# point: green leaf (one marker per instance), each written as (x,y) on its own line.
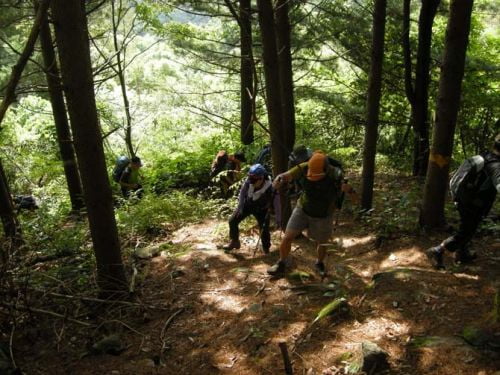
(329,309)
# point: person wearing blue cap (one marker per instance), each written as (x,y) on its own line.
(255,198)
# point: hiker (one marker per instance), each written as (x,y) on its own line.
(264,158)
(24,202)
(473,198)
(255,198)
(129,179)
(227,168)
(300,154)
(323,188)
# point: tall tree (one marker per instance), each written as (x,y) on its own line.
(117,16)
(7,214)
(373,103)
(448,103)
(418,96)
(17,70)
(283,31)
(71,32)
(246,72)
(63,131)
(279,150)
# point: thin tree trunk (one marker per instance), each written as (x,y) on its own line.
(7,213)
(121,78)
(286,73)
(17,70)
(246,72)
(60,118)
(279,151)
(448,103)
(420,109)
(373,103)
(72,40)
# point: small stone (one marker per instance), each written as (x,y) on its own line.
(369,358)
(395,304)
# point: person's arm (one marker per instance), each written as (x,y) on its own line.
(242,195)
(350,192)
(290,175)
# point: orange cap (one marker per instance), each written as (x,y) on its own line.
(316,166)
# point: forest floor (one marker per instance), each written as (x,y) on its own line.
(221,313)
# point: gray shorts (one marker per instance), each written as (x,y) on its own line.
(318,228)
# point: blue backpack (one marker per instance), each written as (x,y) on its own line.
(121,163)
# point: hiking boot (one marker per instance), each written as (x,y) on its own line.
(435,255)
(277,269)
(464,257)
(234,244)
(320,268)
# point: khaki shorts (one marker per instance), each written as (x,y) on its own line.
(318,228)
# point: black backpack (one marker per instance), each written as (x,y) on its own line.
(467,179)
(121,163)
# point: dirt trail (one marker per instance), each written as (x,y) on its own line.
(226,316)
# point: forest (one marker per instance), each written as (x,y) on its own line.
(136,136)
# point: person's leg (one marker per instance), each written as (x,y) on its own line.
(125,192)
(469,221)
(234,230)
(265,236)
(296,224)
(321,230)
(470,218)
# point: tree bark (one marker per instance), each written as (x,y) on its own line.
(279,152)
(448,103)
(63,131)
(283,31)
(420,107)
(17,70)
(373,103)
(246,73)
(72,40)
(7,213)
(121,77)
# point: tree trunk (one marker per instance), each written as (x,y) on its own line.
(17,70)
(121,78)
(246,72)
(373,103)
(279,151)
(72,40)
(60,118)
(450,84)
(420,109)
(286,72)
(7,213)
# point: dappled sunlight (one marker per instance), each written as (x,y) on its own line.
(403,257)
(379,328)
(229,303)
(348,242)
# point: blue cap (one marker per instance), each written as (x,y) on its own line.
(257,170)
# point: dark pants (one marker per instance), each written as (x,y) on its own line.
(470,218)
(128,192)
(262,218)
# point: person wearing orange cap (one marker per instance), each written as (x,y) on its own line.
(322,188)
